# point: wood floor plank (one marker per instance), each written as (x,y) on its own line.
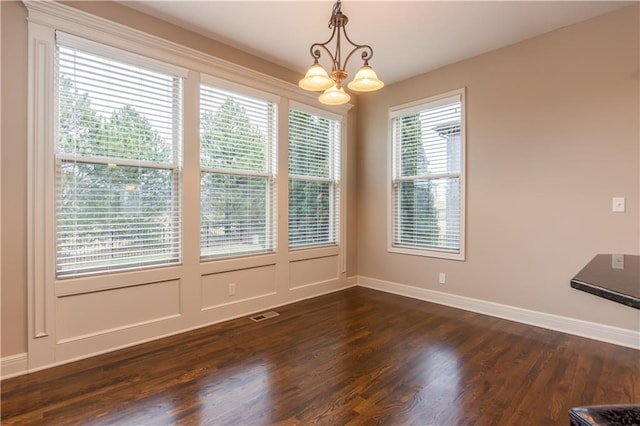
(355,357)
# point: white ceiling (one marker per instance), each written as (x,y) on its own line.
(407,37)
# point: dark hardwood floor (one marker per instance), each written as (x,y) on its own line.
(353,357)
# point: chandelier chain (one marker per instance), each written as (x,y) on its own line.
(337,8)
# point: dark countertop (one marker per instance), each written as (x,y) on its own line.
(612,276)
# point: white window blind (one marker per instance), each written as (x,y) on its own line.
(427,176)
(314,179)
(238,173)
(118,161)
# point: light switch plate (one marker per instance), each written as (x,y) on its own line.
(618,204)
(617,261)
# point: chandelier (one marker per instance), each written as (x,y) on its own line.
(317,79)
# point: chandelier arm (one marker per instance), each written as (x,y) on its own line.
(315,52)
(367,54)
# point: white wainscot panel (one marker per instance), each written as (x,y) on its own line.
(312,271)
(90,314)
(247,284)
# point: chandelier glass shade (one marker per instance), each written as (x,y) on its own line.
(334,96)
(365,80)
(317,78)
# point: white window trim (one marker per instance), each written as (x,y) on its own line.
(409,108)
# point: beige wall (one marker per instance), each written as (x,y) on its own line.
(14,147)
(552,136)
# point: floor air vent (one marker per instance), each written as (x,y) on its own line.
(263,316)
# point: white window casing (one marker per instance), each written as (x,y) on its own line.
(427,177)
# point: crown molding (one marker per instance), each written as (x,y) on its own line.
(76,22)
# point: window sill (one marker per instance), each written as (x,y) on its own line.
(428,253)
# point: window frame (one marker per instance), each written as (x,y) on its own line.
(413,108)
(335,180)
(271,173)
(178,74)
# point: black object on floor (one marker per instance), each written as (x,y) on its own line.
(605,415)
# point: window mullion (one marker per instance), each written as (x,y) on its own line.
(310,178)
(432,176)
(113,161)
(235,172)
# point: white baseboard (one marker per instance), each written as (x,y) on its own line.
(13,365)
(591,330)
(352,281)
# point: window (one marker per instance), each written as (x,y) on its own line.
(427,143)
(152,183)
(314,179)
(238,173)
(117,160)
